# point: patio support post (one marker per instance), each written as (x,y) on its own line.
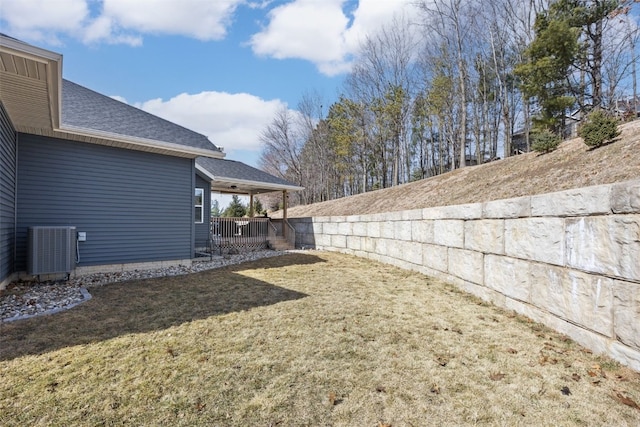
(284,213)
(251,213)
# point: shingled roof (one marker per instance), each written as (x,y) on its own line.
(86,109)
(230,176)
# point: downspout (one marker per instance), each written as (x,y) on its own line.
(15,208)
(193,209)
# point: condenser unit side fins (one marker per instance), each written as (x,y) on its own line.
(52,250)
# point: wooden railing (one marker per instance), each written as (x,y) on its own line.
(230,235)
(276,223)
(290,234)
(273,231)
(282,228)
(239,233)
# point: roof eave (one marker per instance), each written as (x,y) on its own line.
(143,143)
(52,62)
(257,185)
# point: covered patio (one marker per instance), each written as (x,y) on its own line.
(249,233)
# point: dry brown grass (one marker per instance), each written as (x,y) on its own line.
(304,339)
(573,165)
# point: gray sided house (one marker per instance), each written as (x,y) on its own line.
(73,157)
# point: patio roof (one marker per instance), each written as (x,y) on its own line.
(232,177)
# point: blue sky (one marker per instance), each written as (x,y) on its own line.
(219,67)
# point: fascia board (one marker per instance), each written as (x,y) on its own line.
(249,183)
(141,142)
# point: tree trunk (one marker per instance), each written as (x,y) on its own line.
(597,64)
(462,73)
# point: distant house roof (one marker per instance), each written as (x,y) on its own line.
(84,108)
(229,176)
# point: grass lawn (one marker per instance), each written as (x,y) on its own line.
(314,338)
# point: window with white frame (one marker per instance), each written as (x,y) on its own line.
(199,205)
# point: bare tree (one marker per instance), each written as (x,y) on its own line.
(511,27)
(620,41)
(316,162)
(508,29)
(451,21)
(281,147)
(382,80)
(415,105)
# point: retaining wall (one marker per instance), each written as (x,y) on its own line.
(569,260)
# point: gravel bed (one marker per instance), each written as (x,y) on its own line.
(22,300)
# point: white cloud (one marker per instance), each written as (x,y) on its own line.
(321,31)
(258,4)
(119,98)
(200,19)
(372,15)
(102,29)
(59,15)
(324,32)
(232,121)
(306,29)
(42,19)
(117,21)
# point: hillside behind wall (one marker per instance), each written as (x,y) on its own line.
(569,260)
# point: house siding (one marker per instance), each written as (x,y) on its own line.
(202,230)
(8,150)
(134,206)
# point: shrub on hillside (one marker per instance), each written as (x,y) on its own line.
(598,128)
(545,141)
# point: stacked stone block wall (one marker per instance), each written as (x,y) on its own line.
(570,260)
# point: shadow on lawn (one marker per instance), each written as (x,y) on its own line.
(141,306)
(298,258)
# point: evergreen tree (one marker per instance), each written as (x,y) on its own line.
(545,141)
(565,59)
(588,18)
(236,208)
(598,129)
(215,208)
(544,76)
(257,207)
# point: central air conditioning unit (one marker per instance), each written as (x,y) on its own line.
(52,250)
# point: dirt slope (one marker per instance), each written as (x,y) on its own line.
(572,165)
